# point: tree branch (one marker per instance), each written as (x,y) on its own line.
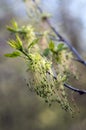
(81,92)
(61,38)
(75,89)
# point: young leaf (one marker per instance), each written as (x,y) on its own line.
(51,45)
(33,43)
(10,29)
(13,55)
(61,47)
(46,52)
(17,44)
(12,43)
(14,26)
(18,40)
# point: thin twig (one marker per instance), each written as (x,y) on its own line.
(75,89)
(61,38)
(69,86)
(80,59)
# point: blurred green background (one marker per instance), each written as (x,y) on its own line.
(21,109)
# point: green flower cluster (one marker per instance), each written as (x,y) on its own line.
(44,83)
(62,63)
(41,76)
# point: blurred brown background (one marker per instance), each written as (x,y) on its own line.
(21,109)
